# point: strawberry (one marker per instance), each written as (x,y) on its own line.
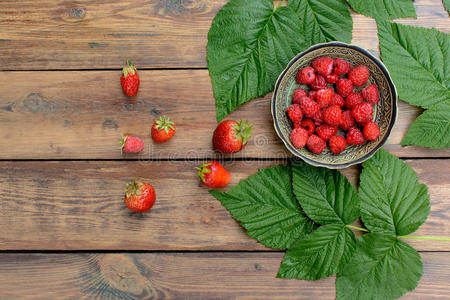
(325,131)
(139,196)
(337,144)
(299,136)
(131,144)
(337,99)
(332,78)
(347,120)
(362,113)
(309,107)
(308,124)
(306,76)
(312,94)
(163,130)
(129,80)
(295,113)
(333,115)
(371,131)
(344,87)
(212,174)
(319,83)
(341,66)
(355,136)
(323,97)
(353,99)
(231,136)
(371,94)
(298,95)
(359,75)
(323,65)
(315,144)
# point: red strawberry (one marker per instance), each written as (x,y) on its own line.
(318,118)
(306,76)
(332,78)
(359,75)
(371,94)
(308,124)
(129,80)
(319,83)
(298,95)
(347,120)
(355,137)
(131,144)
(295,113)
(315,144)
(337,99)
(323,65)
(337,144)
(231,136)
(299,136)
(212,174)
(341,66)
(344,87)
(371,131)
(139,196)
(312,94)
(333,115)
(353,99)
(323,97)
(309,107)
(325,131)
(163,130)
(362,113)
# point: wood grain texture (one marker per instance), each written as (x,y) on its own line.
(158,33)
(82,114)
(79,206)
(180,276)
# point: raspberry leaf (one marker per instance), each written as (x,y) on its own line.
(382,267)
(446,5)
(265,205)
(384,9)
(392,200)
(320,254)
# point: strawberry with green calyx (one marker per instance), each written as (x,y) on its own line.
(231,136)
(139,196)
(131,144)
(129,79)
(212,174)
(163,130)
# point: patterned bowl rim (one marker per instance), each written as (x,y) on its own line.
(276,90)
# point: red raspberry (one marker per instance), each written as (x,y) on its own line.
(337,99)
(344,86)
(295,113)
(323,65)
(312,94)
(315,144)
(337,144)
(299,137)
(325,131)
(371,94)
(306,76)
(331,78)
(359,75)
(333,115)
(355,137)
(371,131)
(308,124)
(347,120)
(353,99)
(318,118)
(323,97)
(309,107)
(362,113)
(341,66)
(298,94)
(319,83)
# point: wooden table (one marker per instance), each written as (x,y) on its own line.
(65,232)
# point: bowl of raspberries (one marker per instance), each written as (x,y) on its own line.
(334,105)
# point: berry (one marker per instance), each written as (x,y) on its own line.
(315,144)
(371,94)
(318,117)
(355,137)
(312,94)
(231,136)
(333,115)
(337,99)
(353,99)
(323,65)
(131,144)
(163,130)
(325,131)
(212,174)
(359,75)
(298,95)
(139,196)
(306,76)
(319,83)
(309,107)
(299,136)
(308,124)
(347,120)
(371,131)
(331,78)
(129,80)
(323,97)
(337,144)
(344,87)
(295,113)
(341,66)
(362,113)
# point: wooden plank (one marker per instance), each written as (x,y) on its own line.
(82,114)
(180,276)
(102,34)
(79,206)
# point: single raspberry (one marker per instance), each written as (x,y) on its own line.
(337,99)
(355,136)
(333,115)
(325,131)
(347,120)
(344,87)
(362,113)
(309,107)
(359,75)
(312,94)
(323,65)
(337,144)
(332,78)
(353,99)
(308,124)
(299,137)
(298,94)
(323,97)
(315,144)
(319,83)
(371,131)
(341,66)
(318,117)
(371,94)
(295,113)
(306,76)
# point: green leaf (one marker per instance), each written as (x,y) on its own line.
(249,44)
(265,205)
(326,196)
(320,254)
(324,20)
(382,267)
(392,201)
(384,9)
(446,5)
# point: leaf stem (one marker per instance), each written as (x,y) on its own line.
(432,238)
(281,3)
(357,228)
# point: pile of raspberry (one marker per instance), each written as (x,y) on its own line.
(319,111)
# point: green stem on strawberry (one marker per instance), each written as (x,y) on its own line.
(414,237)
